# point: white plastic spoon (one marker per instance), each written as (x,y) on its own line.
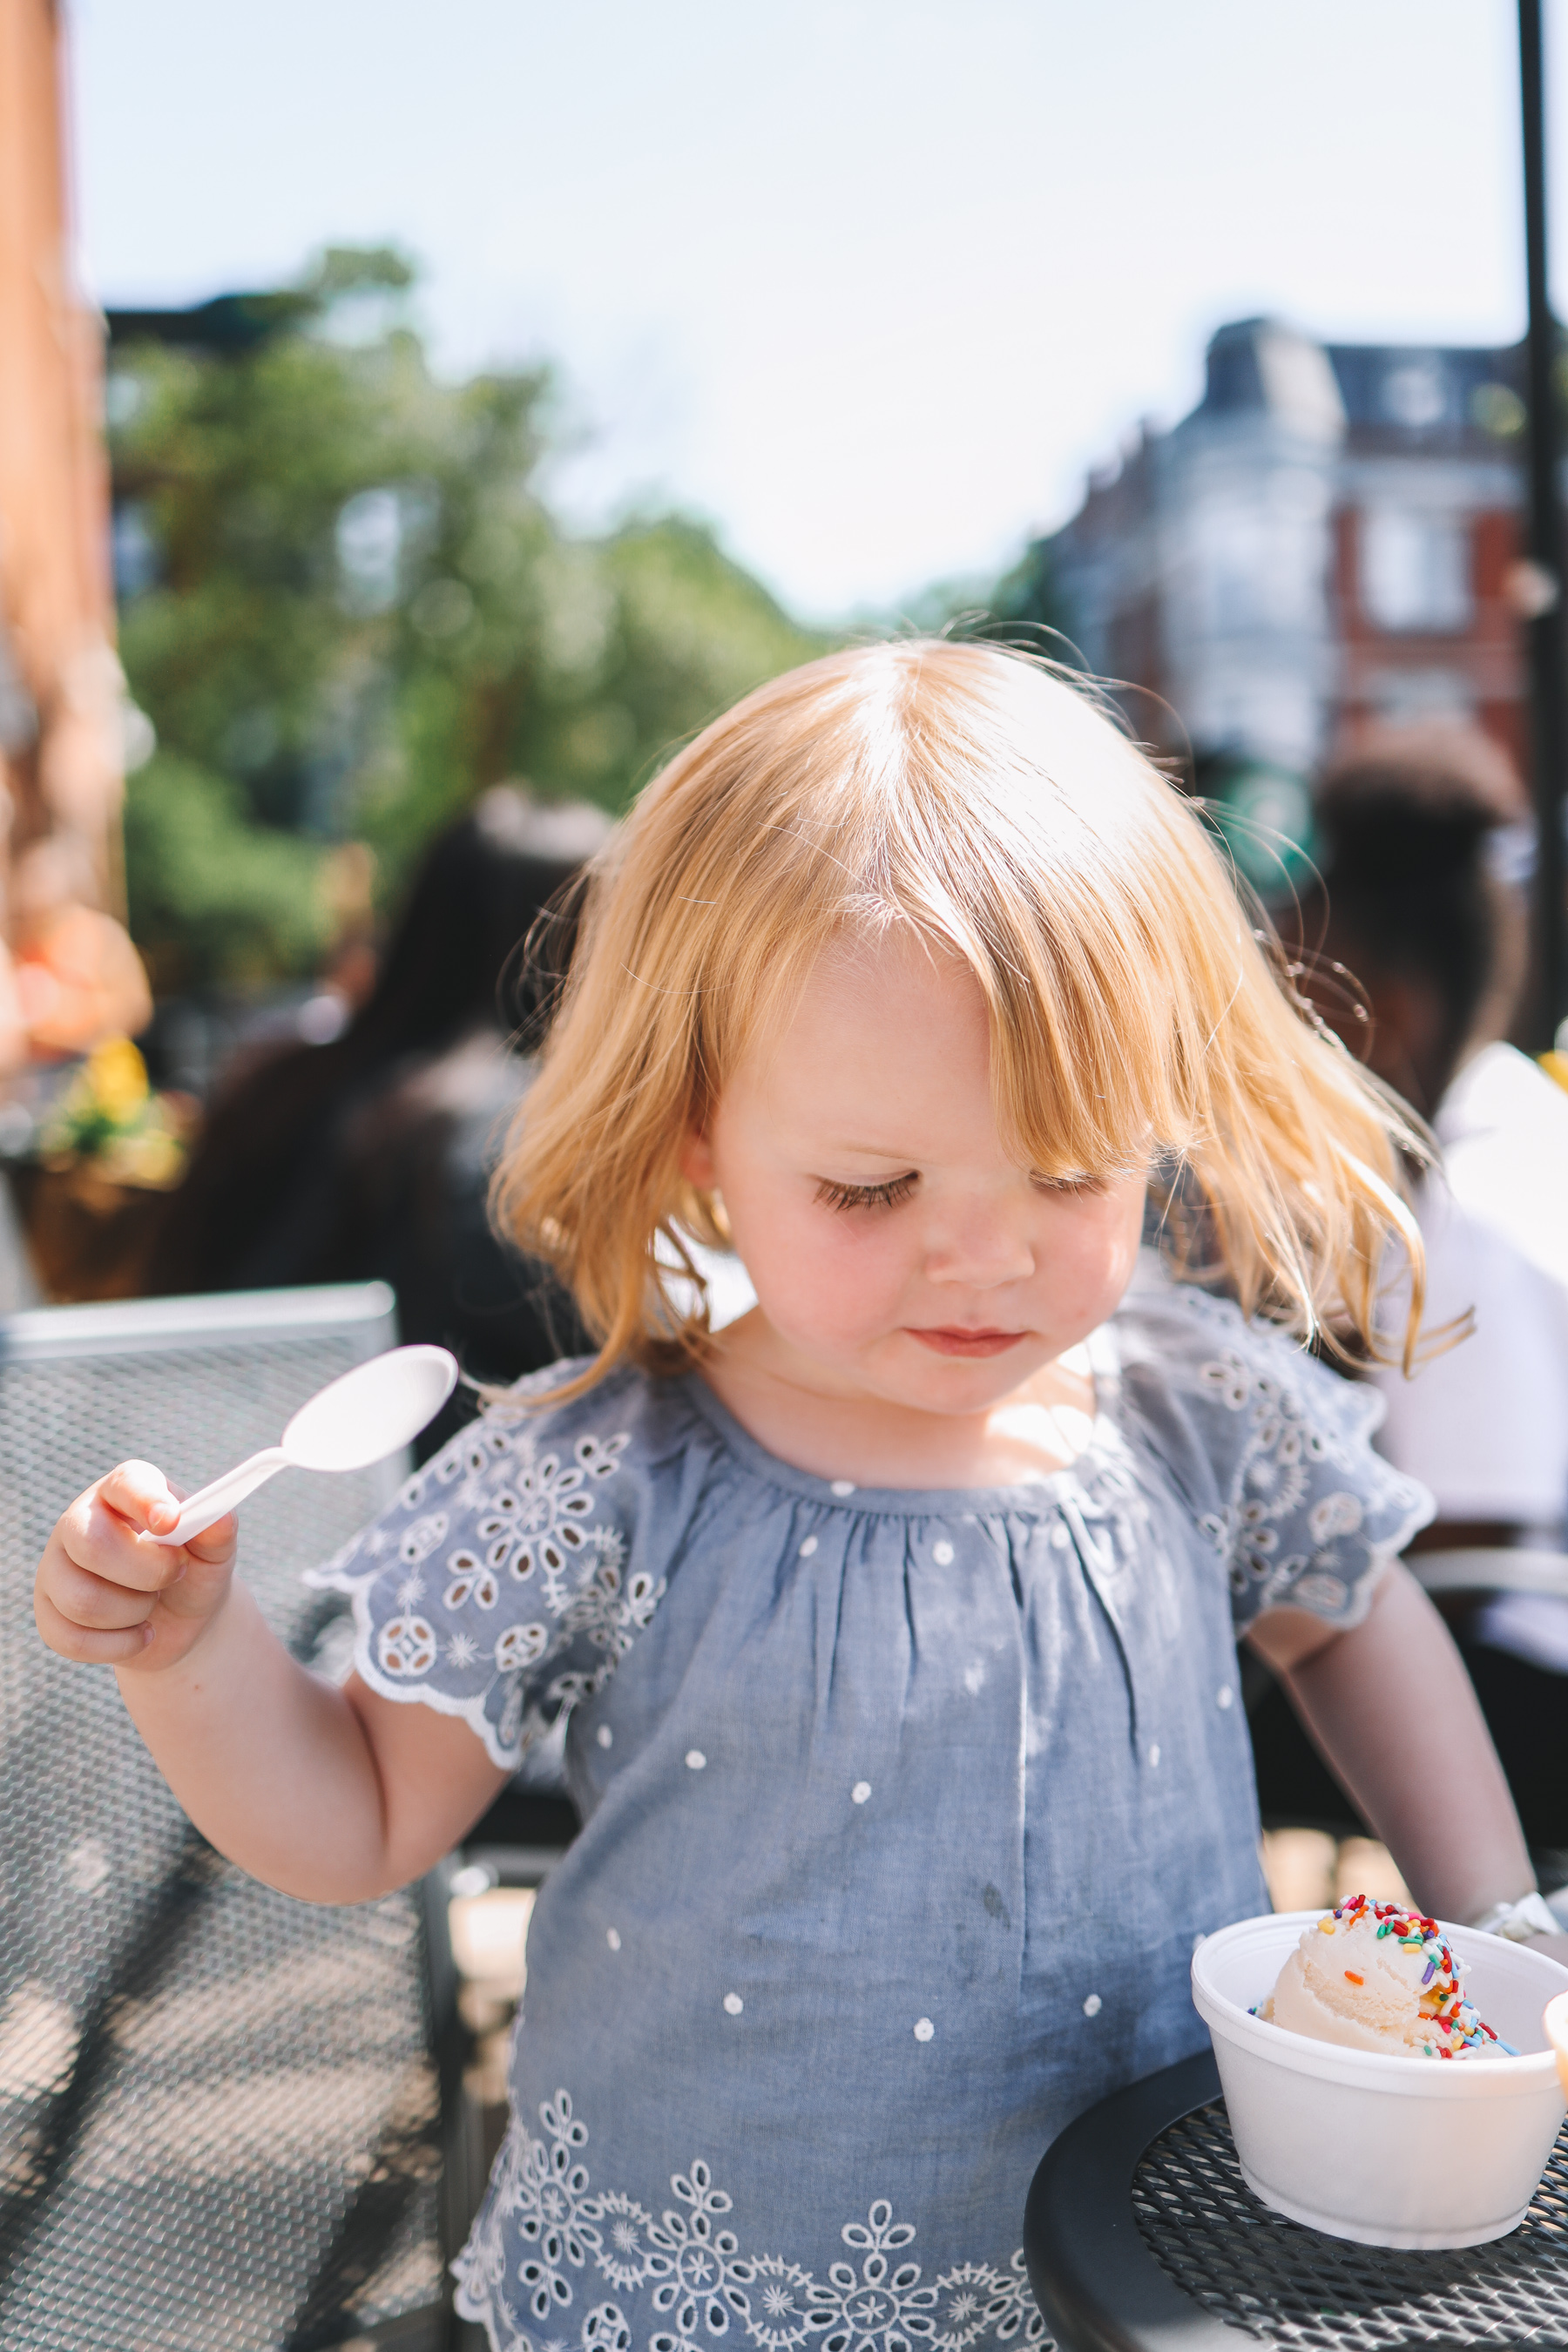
(357,1418)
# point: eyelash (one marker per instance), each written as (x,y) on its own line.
(899,1188)
(866,1196)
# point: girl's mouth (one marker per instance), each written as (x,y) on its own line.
(966,1343)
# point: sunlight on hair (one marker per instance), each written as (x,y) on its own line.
(1139,1016)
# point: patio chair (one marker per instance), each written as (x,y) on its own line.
(221,2110)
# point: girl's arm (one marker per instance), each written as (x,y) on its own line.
(332,1795)
(1393,1710)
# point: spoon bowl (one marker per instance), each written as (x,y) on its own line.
(366,1415)
(357,1418)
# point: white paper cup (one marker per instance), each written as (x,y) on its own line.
(1389,2150)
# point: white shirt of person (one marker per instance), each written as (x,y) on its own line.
(1485,1424)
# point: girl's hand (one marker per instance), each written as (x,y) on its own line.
(106,1596)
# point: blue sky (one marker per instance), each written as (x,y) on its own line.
(867,282)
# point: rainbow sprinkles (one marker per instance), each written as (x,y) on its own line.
(1394,1984)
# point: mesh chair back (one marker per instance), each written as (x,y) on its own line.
(218,2108)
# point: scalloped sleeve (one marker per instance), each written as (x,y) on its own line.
(1273,1453)
(501,1585)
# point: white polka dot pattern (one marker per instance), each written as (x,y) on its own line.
(942,1553)
(733,2003)
(924,2029)
(558,1542)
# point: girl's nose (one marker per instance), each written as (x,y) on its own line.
(983,1249)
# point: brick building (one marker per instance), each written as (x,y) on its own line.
(1330,538)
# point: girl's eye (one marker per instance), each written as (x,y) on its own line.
(866,1196)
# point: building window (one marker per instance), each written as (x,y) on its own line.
(1415,393)
(1415,570)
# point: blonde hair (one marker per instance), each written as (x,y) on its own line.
(1136,1013)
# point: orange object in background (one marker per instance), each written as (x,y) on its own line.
(69,973)
(79,982)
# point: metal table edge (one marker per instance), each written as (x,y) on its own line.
(1094,2278)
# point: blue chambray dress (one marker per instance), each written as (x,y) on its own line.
(902,1814)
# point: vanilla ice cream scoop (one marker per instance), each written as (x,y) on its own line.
(1374,1976)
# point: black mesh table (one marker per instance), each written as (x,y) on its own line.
(1141,2233)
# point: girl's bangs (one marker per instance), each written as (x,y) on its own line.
(1087,1112)
(1086,1021)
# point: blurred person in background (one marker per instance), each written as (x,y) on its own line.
(1428,844)
(369,1155)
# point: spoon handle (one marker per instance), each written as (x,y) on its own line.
(198,1511)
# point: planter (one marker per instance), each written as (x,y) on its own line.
(86,1237)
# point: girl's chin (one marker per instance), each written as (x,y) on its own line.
(933,1381)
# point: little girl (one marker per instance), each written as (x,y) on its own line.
(897,1622)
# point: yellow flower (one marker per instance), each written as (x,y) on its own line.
(118,1077)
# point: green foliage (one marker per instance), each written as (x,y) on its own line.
(1024,607)
(1028,594)
(357,613)
(213,895)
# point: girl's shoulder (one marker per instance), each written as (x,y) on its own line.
(1180,1346)
(515,1569)
(1270,1450)
(637,1418)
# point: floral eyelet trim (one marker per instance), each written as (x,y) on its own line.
(1312,1515)
(546,2239)
(522,1524)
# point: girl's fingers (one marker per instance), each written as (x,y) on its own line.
(214,1543)
(138,1499)
(103,1581)
(95,1602)
(82,1644)
(98,1538)
(140,1494)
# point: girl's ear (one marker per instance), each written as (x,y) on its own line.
(697,1161)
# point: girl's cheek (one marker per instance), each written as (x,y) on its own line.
(837,1281)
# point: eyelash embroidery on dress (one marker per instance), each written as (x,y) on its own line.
(695,2276)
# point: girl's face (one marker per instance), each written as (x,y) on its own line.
(895,1250)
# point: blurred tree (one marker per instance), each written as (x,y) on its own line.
(215,895)
(347,611)
(1028,603)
